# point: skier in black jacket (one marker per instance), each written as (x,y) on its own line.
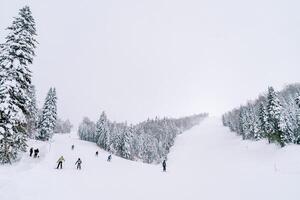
(30,151)
(109,158)
(36,152)
(164,164)
(78,163)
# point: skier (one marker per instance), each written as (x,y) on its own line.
(60,161)
(97,153)
(164,164)
(109,158)
(36,152)
(78,163)
(31,151)
(72,147)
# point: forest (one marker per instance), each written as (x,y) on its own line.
(149,141)
(274,116)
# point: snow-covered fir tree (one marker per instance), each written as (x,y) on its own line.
(297,117)
(32,116)
(16,54)
(86,130)
(249,123)
(274,110)
(149,150)
(263,120)
(49,116)
(243,122)
(287,127)
(115,139)
(63,126)
(127,140)
(102,132)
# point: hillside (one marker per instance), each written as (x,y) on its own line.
(206,162)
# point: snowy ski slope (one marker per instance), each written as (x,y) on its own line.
(207,162)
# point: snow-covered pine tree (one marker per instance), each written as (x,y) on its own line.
(127,140)
(264,125)
(297,137)
(49,116)
(171,132)
(287,127)
(102,132)
(12,124)
(233,120)
(86,129)
(16,54)
(63,126)
(149,152)
(32,116)
(249,123)
(274,109)
(254,123)
(115,138)
(243,129)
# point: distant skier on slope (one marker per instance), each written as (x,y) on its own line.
(78,163)
(60,161)
(97,153)
(72,147)
(109,158)
(164,164)
(36,153)
(31,151)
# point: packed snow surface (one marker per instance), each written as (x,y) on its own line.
(206,162)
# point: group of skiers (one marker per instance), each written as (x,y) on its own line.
(62,159)
(79,162)
(35,152)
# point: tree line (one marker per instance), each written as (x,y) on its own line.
(20,117)
(149,141)
(274,116)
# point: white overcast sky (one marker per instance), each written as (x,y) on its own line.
(141,58)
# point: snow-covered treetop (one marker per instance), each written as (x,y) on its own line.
(21,42)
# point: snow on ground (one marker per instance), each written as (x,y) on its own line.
(207,162)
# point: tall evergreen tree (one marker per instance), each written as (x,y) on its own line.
(102,132)
(16,54)
(49,116)
(86,129)
(263,120)
(297,137)
(127,141)
(287,127)
(32,116)
(243,122)
(274,109)
(149,149)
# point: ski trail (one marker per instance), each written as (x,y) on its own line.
(218,164)
(206,162)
